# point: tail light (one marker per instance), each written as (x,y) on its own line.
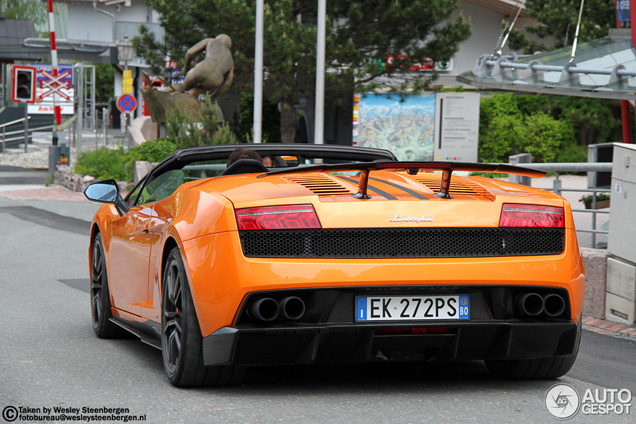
(531,216)
(277,217)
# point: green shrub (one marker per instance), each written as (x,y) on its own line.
(545,136)
(151,151)
(103,163)
(224,135)
(203,130)
(504,137)
(572,153)
(552,128)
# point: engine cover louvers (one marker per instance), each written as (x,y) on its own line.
(320,185)
(457,188)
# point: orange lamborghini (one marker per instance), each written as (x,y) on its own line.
(335,254)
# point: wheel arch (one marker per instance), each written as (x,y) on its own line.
(171,243)
(94,231)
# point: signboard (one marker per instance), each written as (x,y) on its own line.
(457,127)
(623,11)
(423,127)
(423,64)
(48,85)
(126,103)
(405,126)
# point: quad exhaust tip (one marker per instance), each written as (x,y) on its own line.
(267,309)
(554,305)
(292,308)
(533,304)
(530,304)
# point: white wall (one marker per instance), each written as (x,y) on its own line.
(86,23)
(486,30)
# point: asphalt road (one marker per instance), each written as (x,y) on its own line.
(49,356)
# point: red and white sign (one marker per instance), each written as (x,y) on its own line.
(49,85)
(55,84)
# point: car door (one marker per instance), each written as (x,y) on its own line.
(129,257)
(131,246)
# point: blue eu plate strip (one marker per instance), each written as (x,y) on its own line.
(361,312)
(464,308)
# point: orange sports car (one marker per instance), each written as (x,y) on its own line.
(335,254)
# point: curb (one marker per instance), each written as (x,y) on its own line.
(609,328)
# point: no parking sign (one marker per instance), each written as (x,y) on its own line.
(126,103)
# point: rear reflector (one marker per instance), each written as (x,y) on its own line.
(531,216)
(277,218)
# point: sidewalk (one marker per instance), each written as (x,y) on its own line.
(38,192)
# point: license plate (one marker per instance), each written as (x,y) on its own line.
(411,308)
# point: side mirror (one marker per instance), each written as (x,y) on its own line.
(107,191)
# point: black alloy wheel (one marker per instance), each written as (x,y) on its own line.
(181,339)
(100,294)
(172,322)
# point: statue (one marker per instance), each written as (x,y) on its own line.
(213,76)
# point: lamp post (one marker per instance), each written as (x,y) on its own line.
(125,52)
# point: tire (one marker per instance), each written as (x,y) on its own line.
(100,294)
(535,369)
(181,340)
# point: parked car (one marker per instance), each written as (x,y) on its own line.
(335,254)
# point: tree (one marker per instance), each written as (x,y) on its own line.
(557,19)
(104,82)
(360,36)
(34,10)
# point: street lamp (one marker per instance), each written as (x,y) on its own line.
(125,52)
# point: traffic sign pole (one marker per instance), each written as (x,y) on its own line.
(126,103)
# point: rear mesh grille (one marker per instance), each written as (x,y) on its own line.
(402,243)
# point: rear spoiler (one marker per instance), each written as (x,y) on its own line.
(412,168)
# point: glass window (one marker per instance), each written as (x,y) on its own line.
(161,187)
(132,197)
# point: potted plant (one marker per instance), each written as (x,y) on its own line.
(602,201)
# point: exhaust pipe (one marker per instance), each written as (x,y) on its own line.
(265,309)
(554,305)
(292,308)
(530,304)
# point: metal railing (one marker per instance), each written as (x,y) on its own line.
(557,186)
(25,134)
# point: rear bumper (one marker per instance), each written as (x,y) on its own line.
(369,343)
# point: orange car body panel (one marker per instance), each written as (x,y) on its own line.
(199,217)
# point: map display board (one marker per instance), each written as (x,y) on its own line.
(422,127)
(405,127)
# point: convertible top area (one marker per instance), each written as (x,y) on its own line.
(326,151)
